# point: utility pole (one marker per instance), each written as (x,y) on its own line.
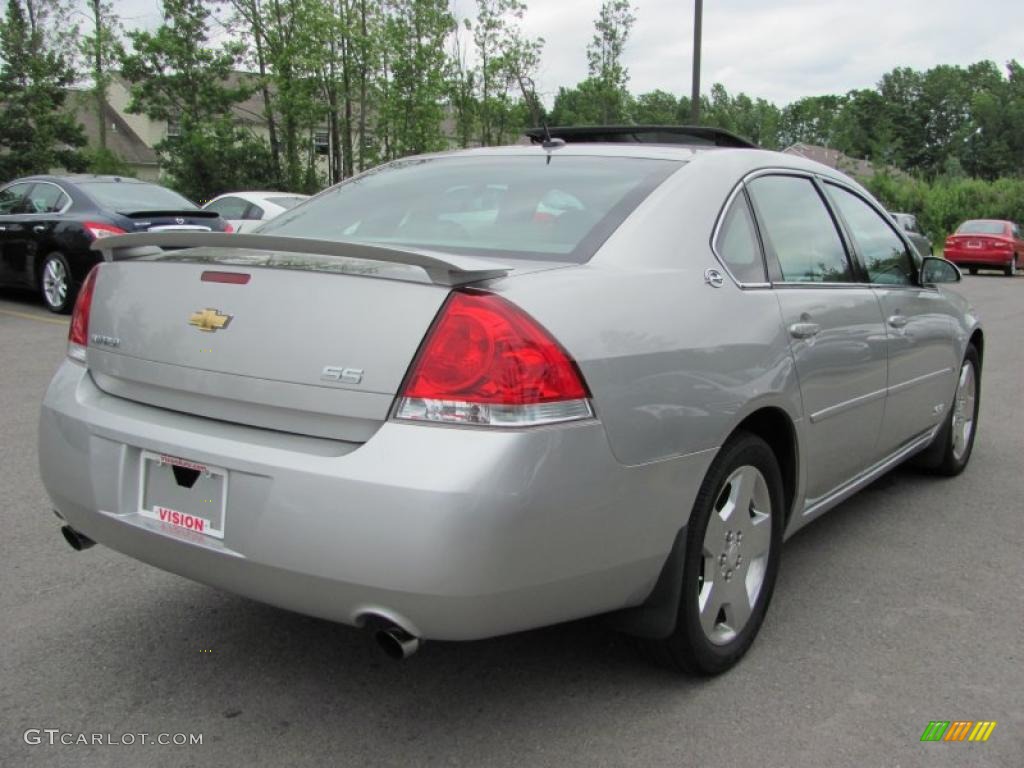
(698,12)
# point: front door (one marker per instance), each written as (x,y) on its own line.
(919,326)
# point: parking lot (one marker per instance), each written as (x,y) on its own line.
(902,606)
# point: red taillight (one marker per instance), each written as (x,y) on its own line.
(98,229)
(485,361)
(227,227)
(78,331)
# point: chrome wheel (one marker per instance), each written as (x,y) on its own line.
(55,283)
(737,543)
(963,410)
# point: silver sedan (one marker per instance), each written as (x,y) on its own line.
(472,393)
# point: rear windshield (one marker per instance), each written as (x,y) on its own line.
(981,228)
(286,202)
(532,207)
(130,196)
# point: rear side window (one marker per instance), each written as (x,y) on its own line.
(737,243)
(11,197)
(885,257)
(538,206)
(46,198)
(799,231)
(229,207)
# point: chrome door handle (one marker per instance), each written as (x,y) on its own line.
(3,228)
(804,330)
(39,228)
(897,321)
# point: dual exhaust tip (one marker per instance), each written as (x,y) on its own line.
(392,639)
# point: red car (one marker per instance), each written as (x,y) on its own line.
(986,243)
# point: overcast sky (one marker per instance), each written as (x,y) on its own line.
(780,50)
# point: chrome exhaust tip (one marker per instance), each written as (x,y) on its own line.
(77,541)
(396,642)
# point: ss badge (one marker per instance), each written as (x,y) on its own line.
(344,375)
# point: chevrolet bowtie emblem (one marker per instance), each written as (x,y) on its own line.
(209,320)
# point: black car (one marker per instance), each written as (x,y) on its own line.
(47,224)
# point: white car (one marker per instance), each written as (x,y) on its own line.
(245,211)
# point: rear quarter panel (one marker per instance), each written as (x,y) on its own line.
(673,363)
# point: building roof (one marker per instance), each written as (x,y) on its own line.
(121,139)
(833,158)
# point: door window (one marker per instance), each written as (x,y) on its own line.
(11,197)
(229,207)
(46,198)
(799,231)
(737,243)
(886,257)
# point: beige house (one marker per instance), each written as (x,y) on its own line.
(133,137)
(833,158)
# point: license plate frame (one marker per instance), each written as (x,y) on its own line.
(974,243)
(199,509)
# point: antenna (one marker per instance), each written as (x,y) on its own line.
(550,143)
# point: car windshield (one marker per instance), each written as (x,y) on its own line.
(286,202)
(981,228)
(131,196)
(534,207)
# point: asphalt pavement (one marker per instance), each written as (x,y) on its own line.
(902,606)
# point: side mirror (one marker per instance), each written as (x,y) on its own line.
(935,270)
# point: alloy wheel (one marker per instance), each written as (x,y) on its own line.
(963,410)
(55,283)
(737,544)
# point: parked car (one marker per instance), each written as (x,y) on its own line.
(247,210)
(986,244)
(47,224)
(920,241)
(616,389)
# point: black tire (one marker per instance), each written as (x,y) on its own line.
(940,457)
(688,648)
(973,270)
(60,302)
(1011,270)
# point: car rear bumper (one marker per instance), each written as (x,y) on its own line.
(979,257)
(452,533)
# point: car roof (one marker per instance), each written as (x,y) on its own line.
(80,177)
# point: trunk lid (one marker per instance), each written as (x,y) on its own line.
(309,344)
(293,350)
(184,220)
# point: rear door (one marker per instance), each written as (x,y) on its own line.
(835,323)
(919,323)
(12,225)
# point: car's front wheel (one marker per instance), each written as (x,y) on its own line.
(57,284)
(951,449)
(732,557)
(1011,269)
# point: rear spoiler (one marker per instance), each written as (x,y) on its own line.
(441,268)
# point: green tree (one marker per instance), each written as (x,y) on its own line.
(103,51)
(604,59)
(179,76)
(36,134)
(655,108)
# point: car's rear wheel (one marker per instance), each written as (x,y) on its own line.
(951,450)
(1011,269)
(732,557)
(57,284)
(973,270)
